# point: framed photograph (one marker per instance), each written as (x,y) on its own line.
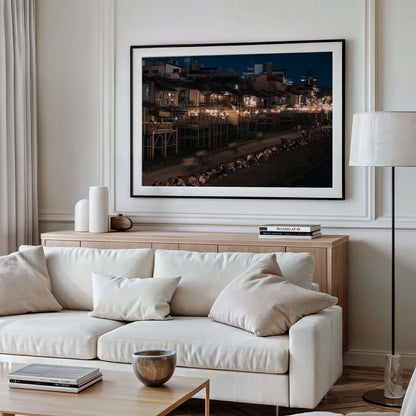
(242,120)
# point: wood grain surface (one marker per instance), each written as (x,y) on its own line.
(120,393)
(194,237)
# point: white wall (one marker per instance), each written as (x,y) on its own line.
(70,43)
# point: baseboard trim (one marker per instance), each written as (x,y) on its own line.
(375,359)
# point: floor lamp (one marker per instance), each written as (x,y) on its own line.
(386,138)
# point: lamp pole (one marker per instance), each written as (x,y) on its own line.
(393,264)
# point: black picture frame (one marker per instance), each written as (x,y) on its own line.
(165,104)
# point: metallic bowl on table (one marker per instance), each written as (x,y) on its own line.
(154,367)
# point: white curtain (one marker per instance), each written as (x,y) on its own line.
(18,150)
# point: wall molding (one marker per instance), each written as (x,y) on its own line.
(232,223)
(106,97)
(370,94)
(368,219)
(370,98)
(367,210)
(375,359)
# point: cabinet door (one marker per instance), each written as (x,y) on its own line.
(114,244)
(321,272)
(202,248)
(249,249)
(62,243)
(165,246)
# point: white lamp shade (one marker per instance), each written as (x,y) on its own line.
(383,138)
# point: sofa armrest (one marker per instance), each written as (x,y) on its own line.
(315,356)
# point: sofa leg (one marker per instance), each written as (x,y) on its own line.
(277,411)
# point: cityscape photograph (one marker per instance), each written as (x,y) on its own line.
(258,120)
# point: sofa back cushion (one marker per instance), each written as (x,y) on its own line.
(297,268)
(70,270)
(205,275)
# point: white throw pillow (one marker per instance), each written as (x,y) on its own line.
(205,275)
(264,303)
(70,270)
(124,299)
(22,288)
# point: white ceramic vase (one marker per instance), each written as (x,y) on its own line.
(82,215)
(98,217)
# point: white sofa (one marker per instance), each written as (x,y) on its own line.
(293,370)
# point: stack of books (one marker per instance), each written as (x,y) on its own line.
(54,377)
(290,231)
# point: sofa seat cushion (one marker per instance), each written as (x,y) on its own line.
(199,342)
(67,334)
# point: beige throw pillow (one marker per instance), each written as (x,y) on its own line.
(22,287)
(264,303)
(125,299)
(35,256)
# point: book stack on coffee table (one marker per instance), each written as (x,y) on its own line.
(54,377)
(284,231)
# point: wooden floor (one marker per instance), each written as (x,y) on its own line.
(344,397)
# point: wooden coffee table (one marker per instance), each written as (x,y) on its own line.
(120,393)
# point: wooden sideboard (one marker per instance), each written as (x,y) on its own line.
(330,251)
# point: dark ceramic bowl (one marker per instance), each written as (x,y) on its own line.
(154,367)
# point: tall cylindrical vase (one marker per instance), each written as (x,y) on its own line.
(393,385)
(98,209)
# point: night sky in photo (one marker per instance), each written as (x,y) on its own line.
(296,64)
